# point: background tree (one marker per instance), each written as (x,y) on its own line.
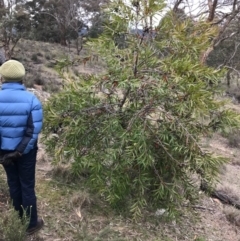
(227,53)
(216,12)
(9,34)
(51,20)
(65,14)
(135,131)
(62,21)
(43,26)
(97,19)
(224,48)
(2,8)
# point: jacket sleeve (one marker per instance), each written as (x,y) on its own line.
(34,126)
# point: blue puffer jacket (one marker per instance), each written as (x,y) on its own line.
(21,118)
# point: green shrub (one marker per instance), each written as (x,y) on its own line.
(136,129)
(12,227)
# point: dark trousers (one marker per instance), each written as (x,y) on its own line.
(21,182)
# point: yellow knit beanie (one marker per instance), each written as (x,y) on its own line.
(12,70)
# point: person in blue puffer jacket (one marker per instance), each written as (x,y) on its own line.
(21,118)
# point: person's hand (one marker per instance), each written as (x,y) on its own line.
(12,155)
(7,159)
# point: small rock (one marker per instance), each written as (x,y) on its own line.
(160,212)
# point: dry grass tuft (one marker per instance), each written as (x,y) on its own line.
(63,173)
(232,215)
(222,169)
(234,139)
(80,199)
